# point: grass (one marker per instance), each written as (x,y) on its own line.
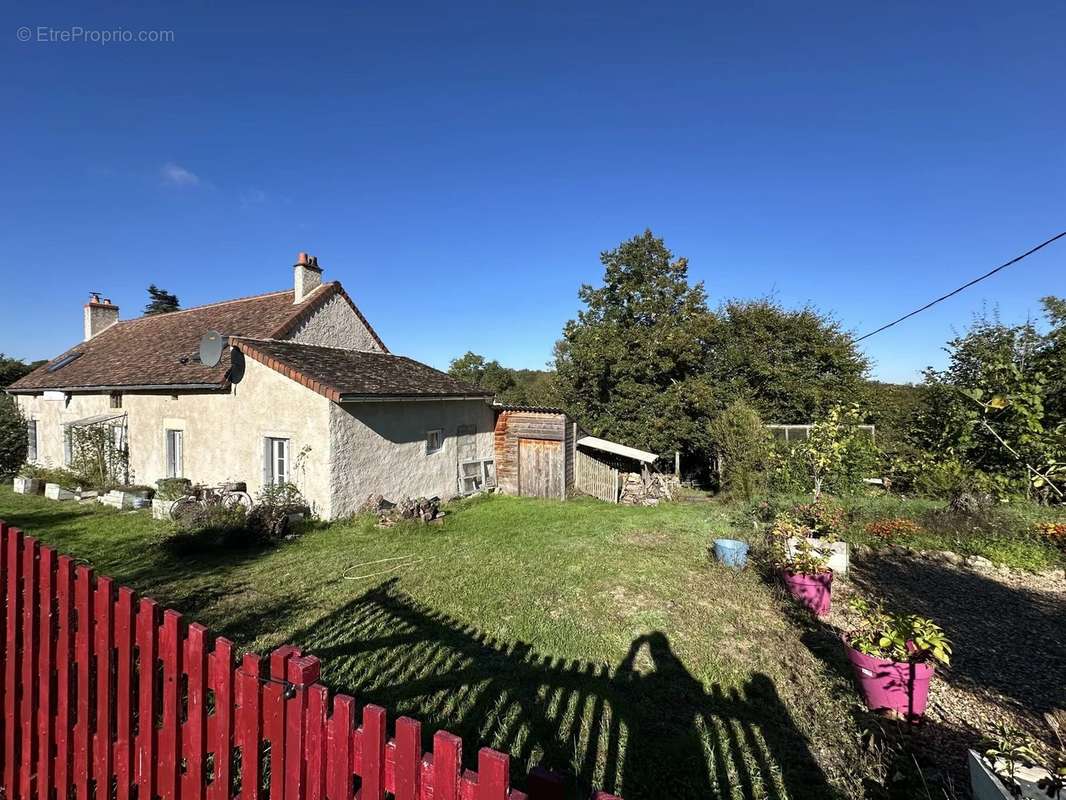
(598,640)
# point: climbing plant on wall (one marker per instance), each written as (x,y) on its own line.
(98,453)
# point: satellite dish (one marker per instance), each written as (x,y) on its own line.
(211,348)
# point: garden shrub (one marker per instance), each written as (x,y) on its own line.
(210,527)
(742,443)
(13,441)
(269,517)
(172,488)
(822,517)
(66,478)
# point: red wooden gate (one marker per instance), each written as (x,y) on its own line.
(107,697)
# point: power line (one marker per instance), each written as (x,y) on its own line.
(988,274)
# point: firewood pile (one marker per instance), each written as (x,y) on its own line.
(425,510)
(638,492)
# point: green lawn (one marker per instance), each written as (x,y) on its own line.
(595,639)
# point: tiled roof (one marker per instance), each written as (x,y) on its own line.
(163,349)
(356,374)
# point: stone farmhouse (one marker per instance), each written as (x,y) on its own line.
(304,392)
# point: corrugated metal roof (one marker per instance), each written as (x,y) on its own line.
(618,449)
(528,409)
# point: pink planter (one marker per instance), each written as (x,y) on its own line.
(814,591)
(898,686)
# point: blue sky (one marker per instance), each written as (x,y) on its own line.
(460,166)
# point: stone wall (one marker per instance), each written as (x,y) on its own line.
(335,324)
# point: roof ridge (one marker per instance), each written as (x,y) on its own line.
(291,343)
(201,307)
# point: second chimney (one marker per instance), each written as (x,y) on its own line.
(307,276)
(99,315)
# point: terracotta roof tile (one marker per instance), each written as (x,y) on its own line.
(356,374)
(163,349)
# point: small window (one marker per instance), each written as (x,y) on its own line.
(31,440)
(433,441)
(116,399)
(277,452)
(175,454)
(118,437)
(68,446)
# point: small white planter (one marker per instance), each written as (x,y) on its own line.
(53,491)
(123,501)
(836,552)
(161,508)
(986,785)
(28,486)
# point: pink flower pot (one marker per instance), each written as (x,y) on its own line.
(901,687)
(814,591)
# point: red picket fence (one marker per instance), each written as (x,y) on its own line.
(107,697)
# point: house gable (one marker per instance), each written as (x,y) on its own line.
(333,321)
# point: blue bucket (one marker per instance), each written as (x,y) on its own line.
(731,552)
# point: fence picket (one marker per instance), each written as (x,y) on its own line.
(249,724)
(340,761)
(194,735)
(447,765)
(28,688)
(408,764)
(274,717)
(372,752)
(45,667)
(13,545)
(64,729)
(102,746)
(147,682)
(315,743)
(124,699)
(221,730)
(83,648)
(109,696)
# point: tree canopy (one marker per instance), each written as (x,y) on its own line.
(631,366)
(647,362)
(531,387)
(792,365)
(11,369)
(160,301)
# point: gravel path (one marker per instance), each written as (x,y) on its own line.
(1009,635)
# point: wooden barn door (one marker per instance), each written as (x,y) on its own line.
(540,468)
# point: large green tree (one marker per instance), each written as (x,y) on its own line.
(13,439)
(792,365)
(11,369)
(631,366)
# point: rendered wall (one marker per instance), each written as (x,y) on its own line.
(380,448)
(223,432)
(335,324)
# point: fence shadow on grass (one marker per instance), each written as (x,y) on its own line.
(646,728)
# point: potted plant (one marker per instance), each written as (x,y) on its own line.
(1018,766)
(893,657)
(820,523)
(28,481)
(803,569)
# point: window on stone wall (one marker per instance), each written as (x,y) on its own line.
(277,467)
(31,440)
(175,454)
(116,399)
(434,440)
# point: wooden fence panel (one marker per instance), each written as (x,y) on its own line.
(595,478)
(100,690)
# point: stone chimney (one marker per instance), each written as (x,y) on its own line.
(99,315)
(308,276)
